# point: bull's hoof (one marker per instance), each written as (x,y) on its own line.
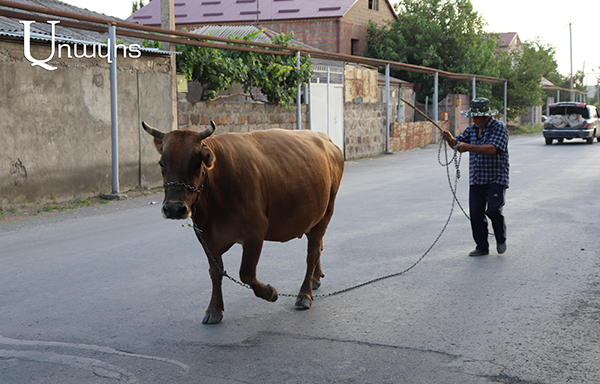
(274,295)
(316,284)
(303,301)
(214,318)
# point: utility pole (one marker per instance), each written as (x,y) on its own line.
(113,111)
(167,21)
(584,81)
(387,109)
(571,48)
(298,95)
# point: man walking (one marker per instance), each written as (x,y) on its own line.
(486,140)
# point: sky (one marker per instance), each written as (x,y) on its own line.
(549,23)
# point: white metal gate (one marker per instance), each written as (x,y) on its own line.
(326,106)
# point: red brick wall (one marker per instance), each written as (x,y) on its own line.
(319,33)
(333,34)
(349,31)
(355,21)
(405,136)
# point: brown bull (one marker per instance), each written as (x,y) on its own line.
(273,185)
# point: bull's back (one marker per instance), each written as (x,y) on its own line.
(288,177)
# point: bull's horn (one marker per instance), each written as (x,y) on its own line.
(208,131)
(154,132)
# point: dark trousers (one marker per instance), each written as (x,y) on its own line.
(490,196)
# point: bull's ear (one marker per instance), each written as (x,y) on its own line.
(208,157)
(159,144)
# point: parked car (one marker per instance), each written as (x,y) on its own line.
(570,120)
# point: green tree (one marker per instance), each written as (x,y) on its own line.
(216,69)
(443,34)
(595,100)
(524,70)
(135,5)
(448,35)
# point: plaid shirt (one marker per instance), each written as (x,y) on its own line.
(487,169)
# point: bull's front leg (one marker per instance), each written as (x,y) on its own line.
(214,312)
(250,256)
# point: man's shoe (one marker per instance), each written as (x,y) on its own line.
(478,252)
(501,247)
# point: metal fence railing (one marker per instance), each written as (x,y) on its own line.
(73,20)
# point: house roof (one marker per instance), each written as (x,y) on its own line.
(505,39)
(230,11)
(243,30)
(393,81)
(11,28)
(12,25)
(546,83)
(227,31)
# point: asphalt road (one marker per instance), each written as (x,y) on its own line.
(114,293)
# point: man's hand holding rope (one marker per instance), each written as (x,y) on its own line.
(484,149)
(452,142)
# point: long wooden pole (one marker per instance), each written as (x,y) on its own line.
(424,115)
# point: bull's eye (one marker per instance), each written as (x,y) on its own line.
(160,164)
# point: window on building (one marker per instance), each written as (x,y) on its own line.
(374,4)
(354,47)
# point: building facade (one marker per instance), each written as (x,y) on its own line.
(340,26)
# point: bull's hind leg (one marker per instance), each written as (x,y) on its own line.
(250,256)
(312,280)
(318,274)
(314,273)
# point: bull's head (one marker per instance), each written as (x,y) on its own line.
(181,161)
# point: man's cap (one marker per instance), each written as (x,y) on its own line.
(480,106)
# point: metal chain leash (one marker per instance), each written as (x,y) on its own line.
(198,230)
(456,158)
(212,258)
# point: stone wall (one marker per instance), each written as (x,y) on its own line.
(232,116)
(364,123)
(364,129)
